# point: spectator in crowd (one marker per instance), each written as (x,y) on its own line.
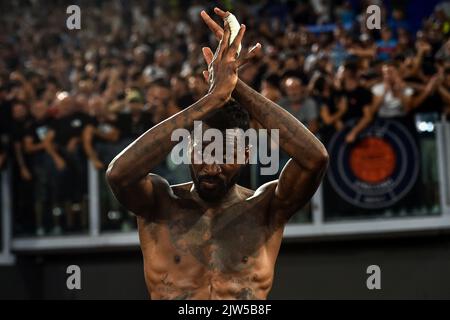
(35,146)
(357,98)
(387,45)
(65,137)
(298,103)
(392,97)
(270,87)
(333,106)
(22,176)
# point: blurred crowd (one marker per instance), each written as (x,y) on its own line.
(71,95)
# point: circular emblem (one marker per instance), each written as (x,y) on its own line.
(376,171)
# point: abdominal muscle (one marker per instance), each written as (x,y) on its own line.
(171,273)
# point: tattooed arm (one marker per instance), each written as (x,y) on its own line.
(303,173)
(128,174)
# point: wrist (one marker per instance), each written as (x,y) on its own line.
(218,99)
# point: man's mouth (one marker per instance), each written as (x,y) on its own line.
(210,183)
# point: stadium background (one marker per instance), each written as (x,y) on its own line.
(151,50)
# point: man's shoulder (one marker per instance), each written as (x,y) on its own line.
(181,187)
(245,192)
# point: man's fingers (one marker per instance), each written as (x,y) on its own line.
(237,41)
(221,13)
(212,25)
(255,50)
(225,40)
(217,52)
(208,55)
(206,76)
(252,53)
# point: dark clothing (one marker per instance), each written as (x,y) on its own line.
(132,128)
(331,102)
(18,129)
(37,130)
(432,104)
(70,184)
(356,100)
(105,149)
(69,127)
(185,101)
(104,126)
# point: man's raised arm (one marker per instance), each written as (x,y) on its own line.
(128,174)
(303,173)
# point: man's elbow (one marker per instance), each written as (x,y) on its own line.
(114,177)
(322,159)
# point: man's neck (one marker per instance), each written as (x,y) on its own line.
(231,197)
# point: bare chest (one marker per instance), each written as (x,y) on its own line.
(227,242)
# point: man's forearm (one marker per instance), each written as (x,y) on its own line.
(146,152)
(295,138)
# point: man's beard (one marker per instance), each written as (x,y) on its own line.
(220,189)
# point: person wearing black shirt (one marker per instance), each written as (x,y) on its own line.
(100,143)
(34,143)
(22,177)
(332,104)
(100,135)
(183,98)
(70,180)
(358,99)
(134,120)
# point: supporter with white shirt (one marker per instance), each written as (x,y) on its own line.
(392,97)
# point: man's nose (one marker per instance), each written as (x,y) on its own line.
(212,169)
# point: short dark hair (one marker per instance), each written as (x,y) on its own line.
(231,115)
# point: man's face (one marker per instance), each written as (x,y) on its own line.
(213,181)
(389,73)
(96,106)
(178,86)
(158,95)
(136,106)
(19,111)
(386,34)
(294,89)
(39,109)
(64,104)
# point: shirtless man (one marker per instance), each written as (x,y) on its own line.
(211,238)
